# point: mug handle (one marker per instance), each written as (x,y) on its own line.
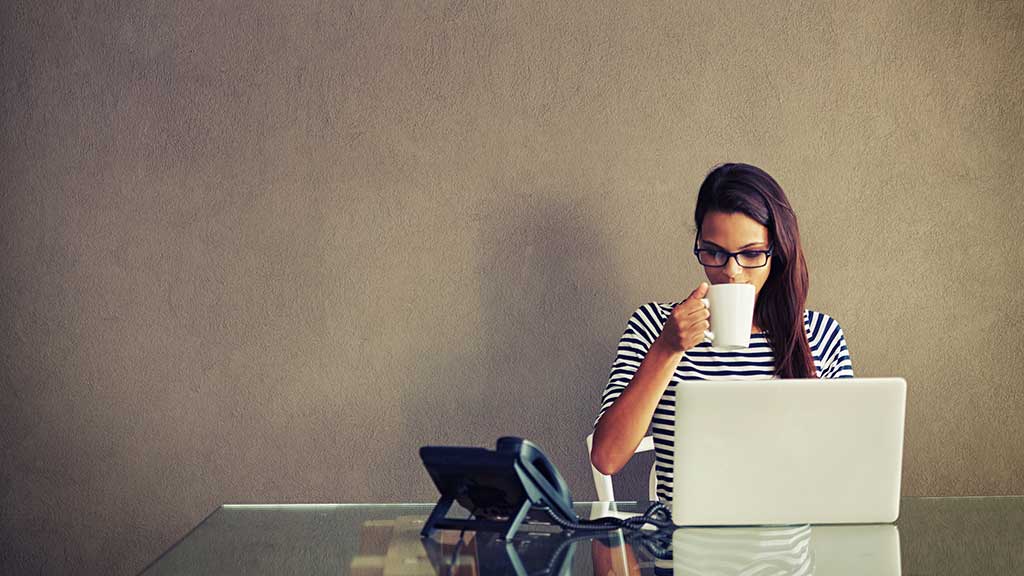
(708,334)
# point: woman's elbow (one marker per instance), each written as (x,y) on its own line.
(602,463)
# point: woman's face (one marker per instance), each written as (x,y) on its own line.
(735,232)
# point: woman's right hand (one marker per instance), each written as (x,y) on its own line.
(685,327)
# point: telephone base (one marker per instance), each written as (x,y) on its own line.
(438,520)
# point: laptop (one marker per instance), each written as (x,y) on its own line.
(776,452)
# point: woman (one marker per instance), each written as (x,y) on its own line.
(746,233)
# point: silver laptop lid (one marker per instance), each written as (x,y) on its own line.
(765,452)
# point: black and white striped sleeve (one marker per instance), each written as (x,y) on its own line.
(643,328)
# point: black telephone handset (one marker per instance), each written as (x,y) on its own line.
(497,487)
(549,488)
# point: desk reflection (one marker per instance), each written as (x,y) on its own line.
(761,551)
(393,547)
(790,550)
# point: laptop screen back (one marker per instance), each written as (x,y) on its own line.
(759,452)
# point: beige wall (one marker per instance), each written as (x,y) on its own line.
(261,254)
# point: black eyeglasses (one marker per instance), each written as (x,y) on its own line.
(716,258)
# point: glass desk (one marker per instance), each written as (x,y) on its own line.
(932,536)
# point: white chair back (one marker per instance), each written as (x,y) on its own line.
(603,482)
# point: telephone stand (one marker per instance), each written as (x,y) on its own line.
(438,520)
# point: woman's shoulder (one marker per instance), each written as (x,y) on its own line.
(659,310)
(647,321)
(653,314)
(819,322)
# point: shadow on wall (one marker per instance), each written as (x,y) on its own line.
(546,338)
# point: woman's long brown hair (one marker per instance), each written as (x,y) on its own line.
(732,188)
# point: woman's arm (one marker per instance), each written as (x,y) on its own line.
(622,426)
(611,560)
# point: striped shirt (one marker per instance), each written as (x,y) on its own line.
(831,360)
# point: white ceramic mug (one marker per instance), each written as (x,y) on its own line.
(732,314)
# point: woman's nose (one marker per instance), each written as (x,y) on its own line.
(732,268)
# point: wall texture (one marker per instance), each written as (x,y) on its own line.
(262,252)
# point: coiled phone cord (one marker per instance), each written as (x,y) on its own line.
(657,515)
(657,543)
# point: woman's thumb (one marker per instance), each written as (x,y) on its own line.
(701,291)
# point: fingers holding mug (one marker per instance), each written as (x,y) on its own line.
(695,326)
(702,324)
(687,322)
(708,334)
